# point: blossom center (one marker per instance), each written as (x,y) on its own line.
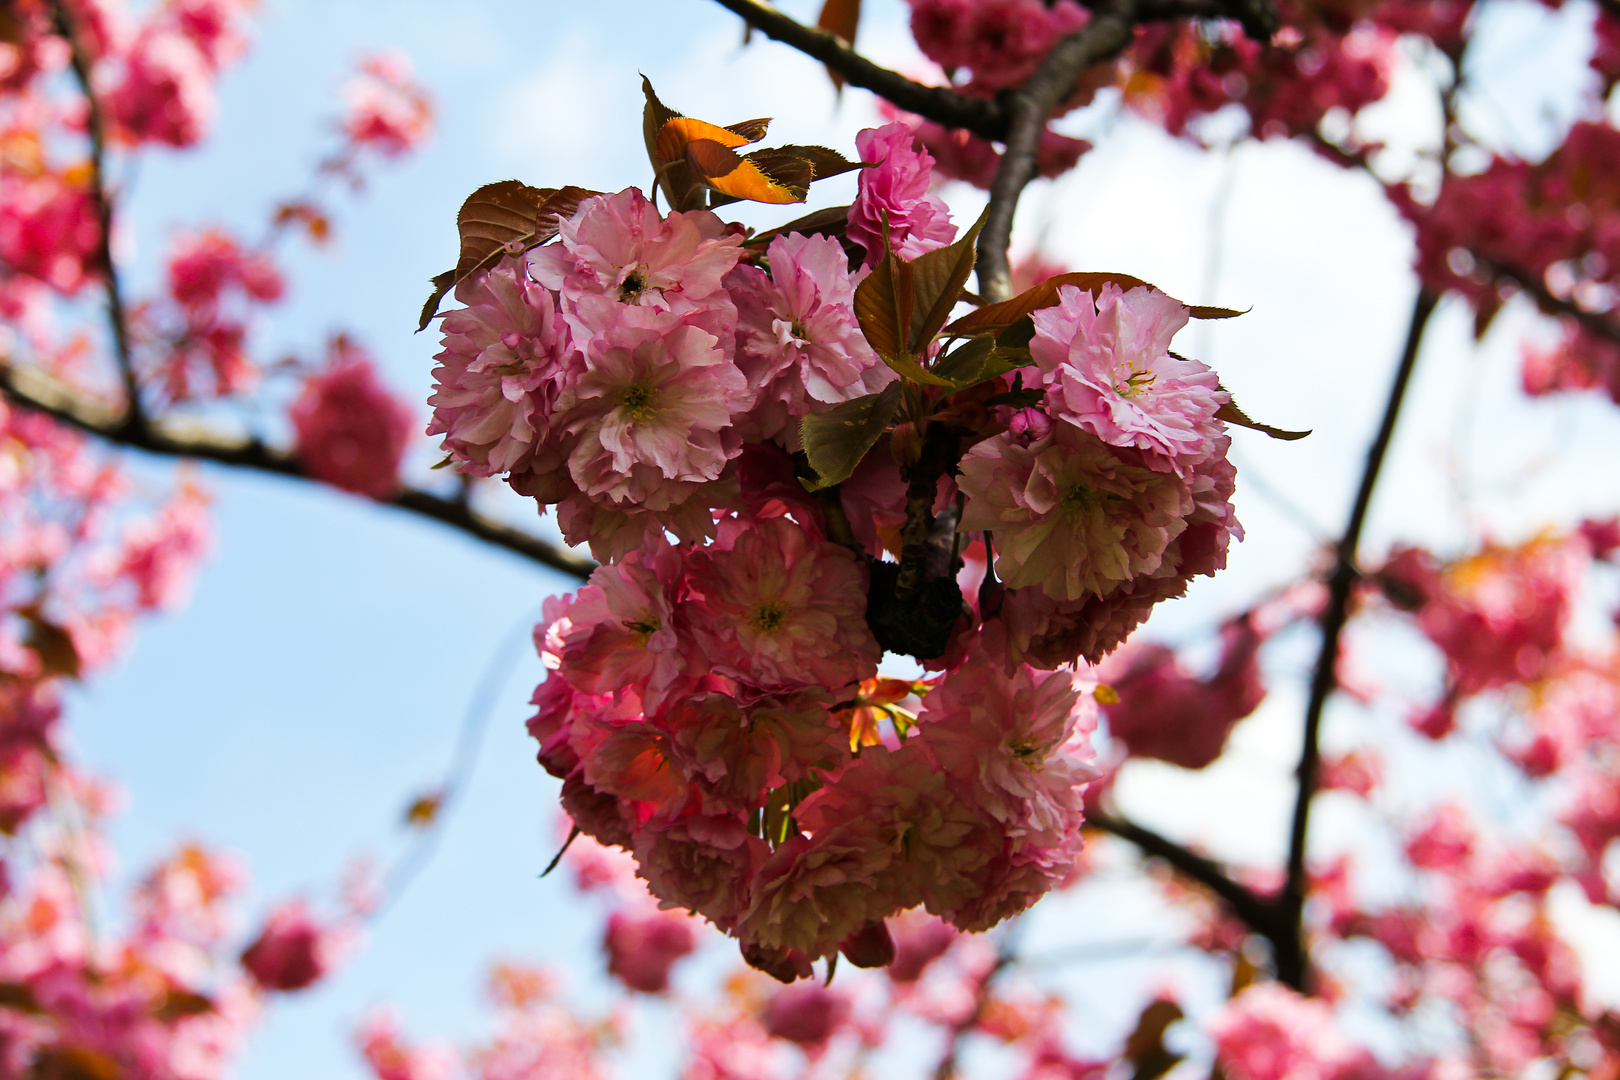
(768,616)
(639,401)
(633,285)
(1136,384)
(1029,753)
(644,627)
(1078,500)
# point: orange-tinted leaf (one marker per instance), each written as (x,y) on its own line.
(675,179)
(1007,312)
(73,1063)
(1234,415)
(424,810)
(505,218)
(678,131)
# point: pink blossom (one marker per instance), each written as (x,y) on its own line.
(352,432)
(1107,369)
(392,1058)
(1019,743)
(1269,1032)
(1165,713)
(733,753)
(505,361)
(642,947)
(1070,514)
(798,341)
(49,229)
(777,607)
(292,952)
(616,246)
(166,91)
(160,553)
(387,109)
(705,864)
(614,529)
(919,940)
(896,190)
(653,404)
(623,629)
(808,1014)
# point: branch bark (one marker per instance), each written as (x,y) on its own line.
(985,118)
(1028,109)
(34,390)
(1293,963)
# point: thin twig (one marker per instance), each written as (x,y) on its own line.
(1292,962)
(36,391)
(1006,956)
(134,418)
(1254,911)
(1028,109)
(983,117)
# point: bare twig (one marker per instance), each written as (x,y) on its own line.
(134,418)
(1254,911)
(1028,109)
(34,390)
(1292,962)
(1006,956)
(983,117)
(1601,325)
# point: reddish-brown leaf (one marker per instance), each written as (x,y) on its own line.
(1234,415)
(51,643)
(1145,1048)
(841,17)
(999,316)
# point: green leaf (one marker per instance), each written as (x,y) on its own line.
(938,278)
(980,360)
(878,310)
(835,441)
(908,368)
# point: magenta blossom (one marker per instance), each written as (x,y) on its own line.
(896,190)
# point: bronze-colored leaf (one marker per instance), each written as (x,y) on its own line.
(673,177)
(504,218)
(938,277)
(835,441)
(751,130)
(51,643)
(1145,1048)
(18,997)
(833,221)
(977,361)
(1234,415)
(1007,312)
(424,810)
(73,1063)
(177,1004)
(878,310)
(841,17)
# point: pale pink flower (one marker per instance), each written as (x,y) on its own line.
(615,528)
(392,1058)
(616,246)
(1107,368)
(292,952)
(1018,742)
(778,608)
(797,337)
(814,891)
(161,553)
(506,358)
(656,392)
(166,90)
(623,629)
(1014,878)
(387,109)
(643,946)
(1269,1032)
(1070,514)
(704,864)
(896,189)
(352,432)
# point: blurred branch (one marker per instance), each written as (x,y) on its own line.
(1255,912)
(1006,956)
(1028,109)
(32,389)
(134,417)
(1599,324)
(985,118)
(1292,962)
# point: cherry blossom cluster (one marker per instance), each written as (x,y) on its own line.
(714,705)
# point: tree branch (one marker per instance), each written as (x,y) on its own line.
(983,117)
(1601,325)
(1293,964)
(1028,109)
(134,417)
(36,391)
(1256,913)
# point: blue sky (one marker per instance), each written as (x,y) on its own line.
(317,679)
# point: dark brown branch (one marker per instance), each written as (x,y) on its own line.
(38,392)
(1293,965)
(1257,913)
(1601,325)
(983,117)
(134,417)
(1028,109)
